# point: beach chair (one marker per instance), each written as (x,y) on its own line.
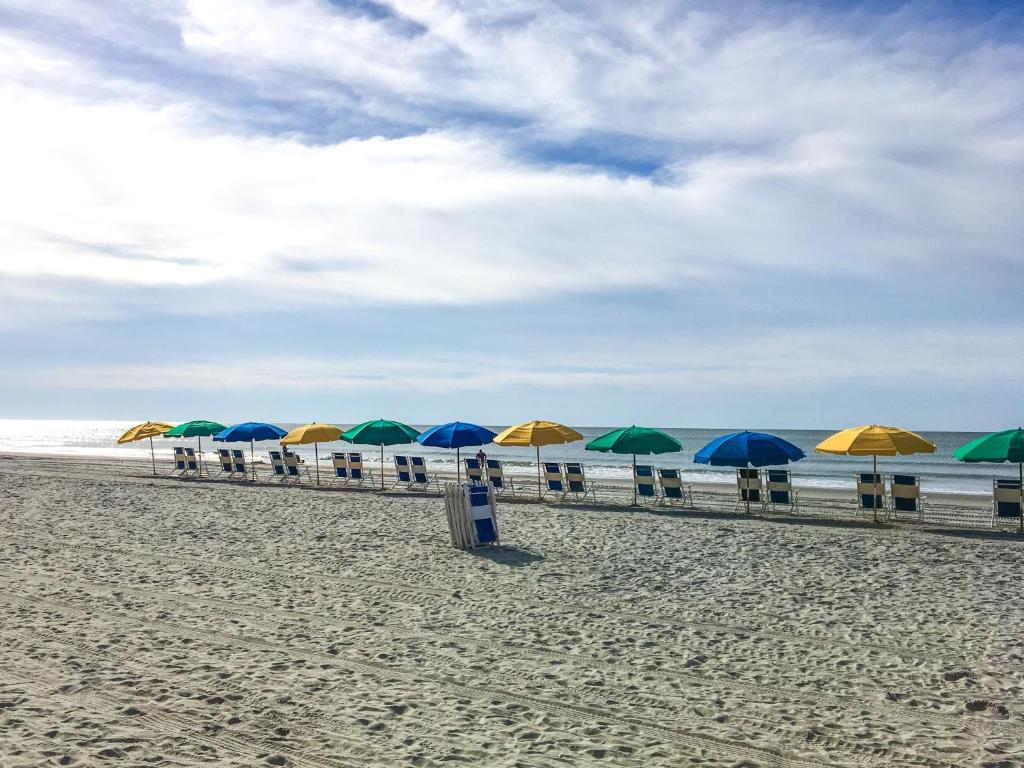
(403,472)
(340,464)
(239,471)
(868,485)
(295,468)
(554,482)
(277,468)
(780,491)
(420,478)
(1005,498)
(496,477)
(906,498)
(576,482)
(673,491)
(227,467)
(180,465)
(749,488)
(643,479)
(474,472)
(356,472)
(191,462)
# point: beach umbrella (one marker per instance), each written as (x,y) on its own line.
(198,430)
(998,447)
(538,433)
(251,431)
(748,449)
(313,433)
(456,434)
(874,441)
(380,432)
(635,440)
(141,431)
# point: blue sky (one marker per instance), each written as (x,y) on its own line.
(678,214)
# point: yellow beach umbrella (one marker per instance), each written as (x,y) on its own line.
(538,433)
(313,433)
(148,429)
(874,440)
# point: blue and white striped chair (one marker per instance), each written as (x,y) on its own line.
(420,477)
(340,464)
(474,472)
(643,479)
(239,471)
(870,484)
(576,482)
(780,491)
(295,468)
(496,477)
(673,490)
(1005,498)
(277,468)
(554,481)
(191,462)
(180,465)
(357,473)
(750,491)
(227,467)
(403,472)
(905,496)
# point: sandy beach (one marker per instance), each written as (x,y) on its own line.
(163,622)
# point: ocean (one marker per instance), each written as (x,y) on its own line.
(939,472)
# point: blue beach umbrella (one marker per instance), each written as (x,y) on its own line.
(251,431)
(456,434)
(748,449)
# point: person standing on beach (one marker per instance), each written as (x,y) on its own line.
(481,457)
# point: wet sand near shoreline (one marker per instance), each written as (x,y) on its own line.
(166,622)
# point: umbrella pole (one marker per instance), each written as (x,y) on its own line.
(458,466)
(152,456)
(382,466)
(316,460)
(634,479)
(746,485)
(874,486)
(252,457)
(1020,472)
(540,483)
(199,439)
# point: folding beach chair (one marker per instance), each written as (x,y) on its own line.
(496,477)
(295,468)
(403,473)
(280,473)
(576,482)
(474,472)
(191,462)
(673,491)
(906,496)
(749,488)
(870,492)
(643,479)
(238,469)
(227,467)
(420,478)
(180,465)
(356,472)
(780,490)
(340,464)
(1005,498)
(554,482)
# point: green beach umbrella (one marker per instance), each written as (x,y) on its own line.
(635,440)
(380,432)
(996,448)
(198,429)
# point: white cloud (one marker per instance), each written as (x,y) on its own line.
(790,142)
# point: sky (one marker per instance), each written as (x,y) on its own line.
(680,214)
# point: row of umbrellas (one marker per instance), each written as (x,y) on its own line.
(737,449)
